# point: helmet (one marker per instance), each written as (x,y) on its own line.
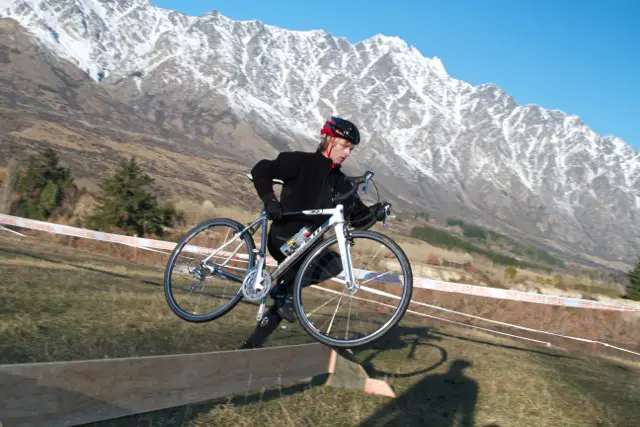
(341,128)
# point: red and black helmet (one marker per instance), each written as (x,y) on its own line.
(341,128)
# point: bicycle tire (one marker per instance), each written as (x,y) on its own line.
(207,317)
(397,315)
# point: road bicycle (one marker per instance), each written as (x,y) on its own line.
(222,252)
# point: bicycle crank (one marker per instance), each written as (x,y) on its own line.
(254,289)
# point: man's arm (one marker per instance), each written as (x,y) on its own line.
(284,167)
(363,217)
(358,208)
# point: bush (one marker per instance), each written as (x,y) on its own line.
(44,187)
(439,237)
(452,222)
(633,291)
(474,232)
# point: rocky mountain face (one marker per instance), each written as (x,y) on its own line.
(436,143)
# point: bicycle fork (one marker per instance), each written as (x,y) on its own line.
(345,255)
(261,262)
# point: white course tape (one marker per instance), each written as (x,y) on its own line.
(385,294)
(505,294)
(617,348)
(388,295)
(147,249)
(548,344)
(67,230)
(12,231)
(422,283)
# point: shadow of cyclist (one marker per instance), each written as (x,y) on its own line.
(442,400)
(404,341)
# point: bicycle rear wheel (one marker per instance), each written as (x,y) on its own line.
(204,274)
(338,318)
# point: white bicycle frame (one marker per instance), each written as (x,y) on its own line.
(336,221)
(337,218)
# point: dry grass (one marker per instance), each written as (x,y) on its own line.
(503,384)
(552,284)
(588,286)
(617,328)
(418,251)
(59,304)
(621,266)
(194,212)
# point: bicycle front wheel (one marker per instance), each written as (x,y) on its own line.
(337,317)
(203,278)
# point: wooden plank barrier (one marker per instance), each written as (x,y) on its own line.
(78,392)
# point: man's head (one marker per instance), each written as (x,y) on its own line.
(339,137)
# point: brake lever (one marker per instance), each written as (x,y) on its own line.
(367,178)
(386,215)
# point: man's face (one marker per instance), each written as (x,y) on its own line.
(340,151)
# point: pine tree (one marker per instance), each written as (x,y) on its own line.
(129,203)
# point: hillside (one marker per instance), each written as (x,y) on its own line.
(442,144)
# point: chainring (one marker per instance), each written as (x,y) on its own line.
(248,289)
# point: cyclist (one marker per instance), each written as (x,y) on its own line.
(310,180)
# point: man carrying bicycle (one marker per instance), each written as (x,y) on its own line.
(310,180)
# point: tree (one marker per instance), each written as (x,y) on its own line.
(129,203)
(6,193)
(633,291)
(511,272)
(43,187)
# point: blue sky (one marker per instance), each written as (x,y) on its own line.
(582,57)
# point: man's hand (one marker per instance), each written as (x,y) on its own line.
(382,210)
(274,208)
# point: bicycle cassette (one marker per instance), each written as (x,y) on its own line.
(249,288)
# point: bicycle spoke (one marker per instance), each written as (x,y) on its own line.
(195,310)
(322,306)
(374,257)
(373,278)
(346,333)
(359,320)
(334,314)
(222,272)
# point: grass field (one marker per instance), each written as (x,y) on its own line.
(59,303)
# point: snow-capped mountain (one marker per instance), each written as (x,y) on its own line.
(437,142)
